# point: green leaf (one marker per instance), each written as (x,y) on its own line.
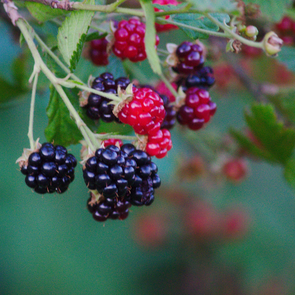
(287,56)
(61,128)
(251,147)
(272,9)
(278,140)
(150,37)
(228,6)
(199,21)
(42,12)
(169,7)
(72,34)
(285,103)
(95,36)
(289,172)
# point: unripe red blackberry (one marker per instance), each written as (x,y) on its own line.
(129,40)
(98,107)
(189,57)
(49,169)
(165,27)
(197,110)
(159,144)
(98,52)
(145,112)
(201,78)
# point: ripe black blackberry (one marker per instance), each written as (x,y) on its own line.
(122,174)
(202,78)
(109,209)
(170,117)
(97,106)
(49,169)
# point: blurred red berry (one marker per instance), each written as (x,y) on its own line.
(235,170)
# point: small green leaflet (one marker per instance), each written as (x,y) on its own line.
(72,34)
(287,56)
(272,9)
(150,37)
(277,140)
(61,128)
(227,6)
(199,21)
(42,12)
(95,36)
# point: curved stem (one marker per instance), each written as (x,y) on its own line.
(54,57)
(165,52)
(217,34)
(39,63)
(32,107)
(234,35)
(169,86)
(86,88)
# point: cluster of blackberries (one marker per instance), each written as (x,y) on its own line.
(98,107)
(121,174)
(49,170)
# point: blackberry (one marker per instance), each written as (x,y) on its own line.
(122,176)
(129,40)
(202,78)
(50,169)
(98,52)
(170,117)
(109,209)
(97,107)
(197,109)
(189,58)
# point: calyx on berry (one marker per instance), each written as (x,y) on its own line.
(272,44)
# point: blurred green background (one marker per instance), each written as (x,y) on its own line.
(51,245)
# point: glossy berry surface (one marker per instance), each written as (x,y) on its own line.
(165,27)
(159,144)
(190,58)
(129,40)
(116,209)
(197,110)
(145,112)
(49,170)
(123,176)
(98,107)
(98,52)
(202,78)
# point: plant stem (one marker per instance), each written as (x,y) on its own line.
(86,88)
(165,52)
(217,34)
(39,63)
(231,34)
(32,107)
(169,86)
(110,135)
(54,57)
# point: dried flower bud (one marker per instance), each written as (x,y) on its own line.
(272,44)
